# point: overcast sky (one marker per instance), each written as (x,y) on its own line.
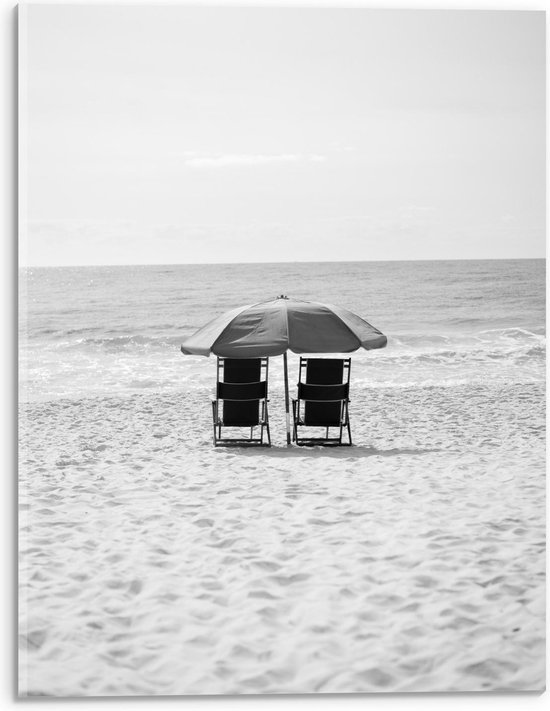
(176,135)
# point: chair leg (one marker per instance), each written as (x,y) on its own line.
(348,424)
(265,421)
(214,418)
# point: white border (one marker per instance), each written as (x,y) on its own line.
(8,196)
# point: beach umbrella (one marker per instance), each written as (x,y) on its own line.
(271,328)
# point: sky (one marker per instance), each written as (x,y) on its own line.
(173,134)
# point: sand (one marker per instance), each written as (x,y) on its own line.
(153,563)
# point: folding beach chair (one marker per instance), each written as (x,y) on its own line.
(241,400)
(323,397)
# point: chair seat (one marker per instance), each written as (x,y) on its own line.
(242,423)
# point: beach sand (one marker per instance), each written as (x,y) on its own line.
(154,563)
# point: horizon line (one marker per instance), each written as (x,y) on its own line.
(300,261)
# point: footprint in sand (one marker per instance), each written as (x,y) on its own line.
(204,522)
(376,677)
(285,580)
(135,587)
(33,640)
(266,565)
(262,595)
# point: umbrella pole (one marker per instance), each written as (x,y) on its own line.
(287,400)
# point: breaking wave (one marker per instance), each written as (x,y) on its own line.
(123,338)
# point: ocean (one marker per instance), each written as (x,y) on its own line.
(153,563)
(88,331)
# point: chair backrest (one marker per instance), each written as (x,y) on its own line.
(241,390)
(324,371)
(325,390)
(241,370)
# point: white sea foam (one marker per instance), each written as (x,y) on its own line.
(92,331)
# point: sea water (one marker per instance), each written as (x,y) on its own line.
(89,331)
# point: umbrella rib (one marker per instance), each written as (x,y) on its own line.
(220,334)
(328,306)
(287,328)
(248,306)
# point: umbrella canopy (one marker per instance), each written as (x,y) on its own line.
(270,328)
